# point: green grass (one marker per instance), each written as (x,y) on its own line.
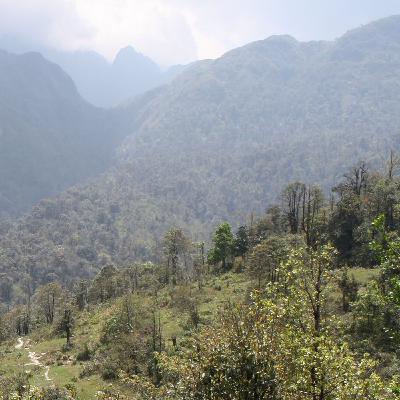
(363,275)
(12,360)
(215,293)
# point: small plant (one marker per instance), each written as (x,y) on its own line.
(110,372)
(71,388)
(89,370)
(85,354)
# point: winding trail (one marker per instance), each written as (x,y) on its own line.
(19,344)
(33,357)
(46,373)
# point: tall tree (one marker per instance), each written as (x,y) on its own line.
(176,251)
(222,251)
(265,258)
(48,300)
(242,241)
(311,223)
(105,286)
(292,197)
(66,325)
(348,213)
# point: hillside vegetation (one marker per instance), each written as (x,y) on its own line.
(218,143)
(50,138)
(233,235)
(276,309)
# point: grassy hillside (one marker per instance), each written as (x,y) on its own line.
(65,367)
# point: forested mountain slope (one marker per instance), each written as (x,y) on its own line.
(50,138)
(221,141)
(235,130)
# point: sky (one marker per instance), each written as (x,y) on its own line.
(180,31)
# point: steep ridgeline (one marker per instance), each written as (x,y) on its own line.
(221,141)
(99,81)
(106,84)
(50,138)
(228,134)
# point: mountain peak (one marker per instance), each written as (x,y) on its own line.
(287,39)
(378,37)
(386,29)
(129,55)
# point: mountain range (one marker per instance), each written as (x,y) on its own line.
(99,81)
(219,141)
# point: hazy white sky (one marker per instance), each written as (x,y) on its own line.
(179,31)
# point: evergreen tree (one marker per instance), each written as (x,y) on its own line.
(223,249)
(242,242)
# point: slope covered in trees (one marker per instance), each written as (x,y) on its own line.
(233,131)
(220,142)
(131,286)
(268,311)
(50,138)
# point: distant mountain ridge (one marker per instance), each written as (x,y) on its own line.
(100,82)
(50,137)
(273,98)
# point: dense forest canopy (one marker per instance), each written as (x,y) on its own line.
(275,309)
(218,143)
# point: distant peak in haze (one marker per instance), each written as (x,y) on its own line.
(281,39)
(99,81)
(126,54)
(386,29)
(129,57)
(128,51)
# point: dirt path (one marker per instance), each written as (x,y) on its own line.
(33,357)
(46,373)
(19,344)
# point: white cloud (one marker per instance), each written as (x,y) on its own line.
(46,22)
(157,29)
(169,31)
(179,31)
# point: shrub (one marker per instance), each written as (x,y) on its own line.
(109,372)
(85,354)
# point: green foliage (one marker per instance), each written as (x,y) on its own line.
(49,300)
(288,340)
(266,257)
(177,248)
(223,246)
(186,164)
(376,311)
(349,288)
(35,393)
(278,347)
(105,285)
(128,339)
(241,242)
